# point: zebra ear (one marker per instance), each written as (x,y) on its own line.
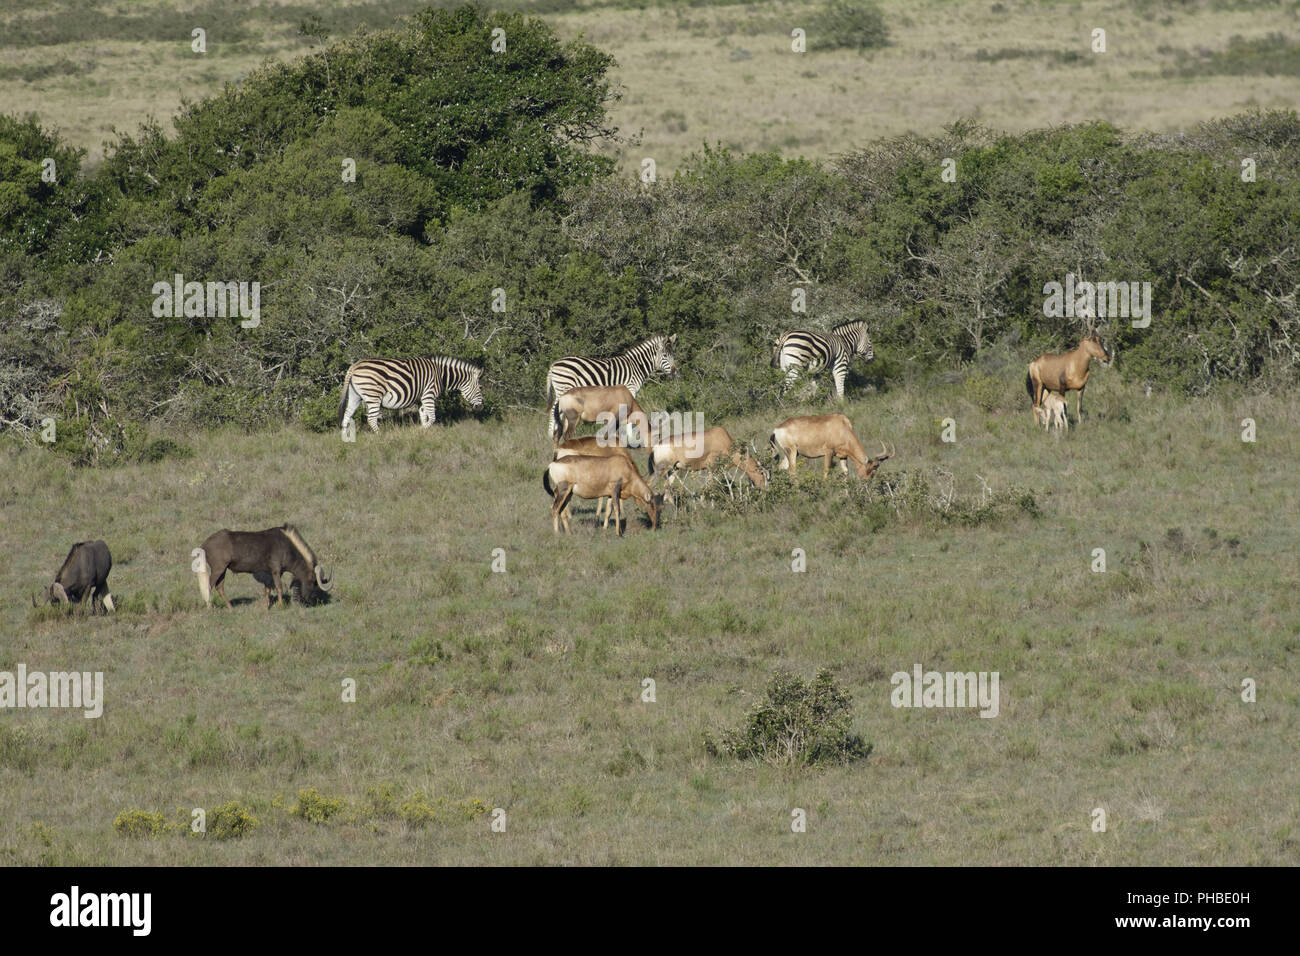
(672,339)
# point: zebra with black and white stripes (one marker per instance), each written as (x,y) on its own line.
(630,368)
(814,351)
(401,383)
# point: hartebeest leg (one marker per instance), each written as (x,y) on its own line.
(616,506)
(1078,405)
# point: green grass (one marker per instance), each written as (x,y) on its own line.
(522,690)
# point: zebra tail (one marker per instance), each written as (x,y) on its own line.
(343,400)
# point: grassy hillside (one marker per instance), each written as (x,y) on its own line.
(522,690)
(716,73)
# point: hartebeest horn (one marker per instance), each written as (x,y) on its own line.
(325,582)
(888,453)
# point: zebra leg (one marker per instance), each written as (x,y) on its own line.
(839,375)
(354,399)
(372,415)
(427,415)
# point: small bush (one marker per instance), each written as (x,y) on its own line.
(314,807)
(231,821)
(859,26)
(17,750)
(798,723)
(140,823)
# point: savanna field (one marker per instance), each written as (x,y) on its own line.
(470,662)
(522,690)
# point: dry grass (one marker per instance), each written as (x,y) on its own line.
(522,689)
(726,74)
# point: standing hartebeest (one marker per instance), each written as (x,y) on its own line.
(1064,372)
(594,403)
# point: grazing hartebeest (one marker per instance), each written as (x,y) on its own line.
(828,436)
(84,574)
(590,476)
(265,555)
(699,450)
(1064,372)
(593,445)
(591,403)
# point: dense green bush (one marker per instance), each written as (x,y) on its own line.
(501,192)
(798,722)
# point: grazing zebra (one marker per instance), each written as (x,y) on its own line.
(631,368)
(815,351)
(401,383)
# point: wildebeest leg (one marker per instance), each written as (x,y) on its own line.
(221,589)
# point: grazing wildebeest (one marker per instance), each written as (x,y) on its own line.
(84,574)
(593,403)
(828,436)
(699,450)
(591,476)
(1064,372)
(266,555)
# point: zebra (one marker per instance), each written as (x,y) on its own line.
(815,351)
(630,368)
(401,383)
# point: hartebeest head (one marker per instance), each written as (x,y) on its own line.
(868,468)
(1091,345)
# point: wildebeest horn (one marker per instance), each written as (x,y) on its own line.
(34,604)
(57,589)
(326,583)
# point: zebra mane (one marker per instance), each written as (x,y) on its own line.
(460,365)
(852,323)
(654,343)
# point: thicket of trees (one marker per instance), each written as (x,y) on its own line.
(474,171)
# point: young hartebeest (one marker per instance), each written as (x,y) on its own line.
(593,403)
(1053,412)
(1064,372)
(591,476)
(593,445)
(824,436)
(700,450)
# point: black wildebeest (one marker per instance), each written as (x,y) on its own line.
(266,555)
(84,573)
